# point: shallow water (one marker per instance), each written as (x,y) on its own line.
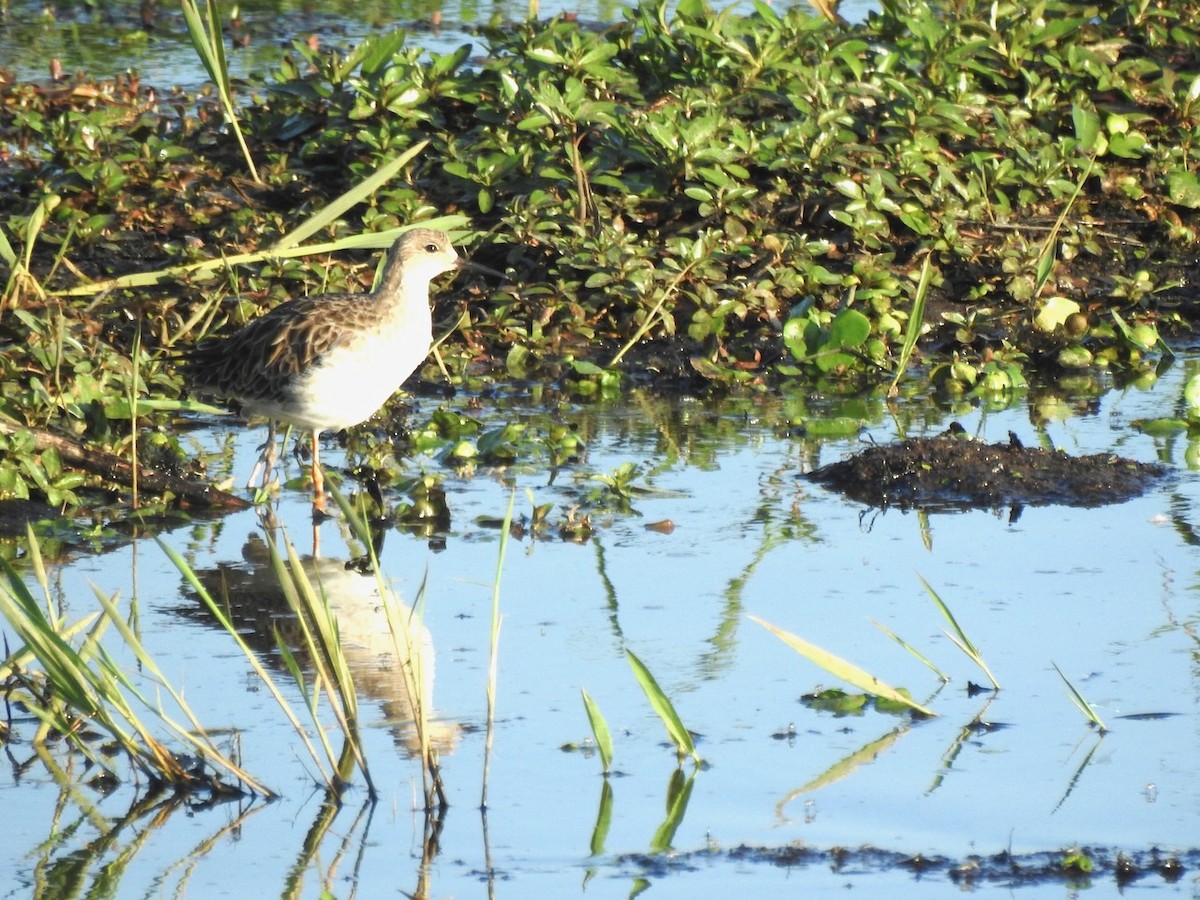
(104,40)
(1108,594)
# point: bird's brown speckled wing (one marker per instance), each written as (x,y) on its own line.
(260,360)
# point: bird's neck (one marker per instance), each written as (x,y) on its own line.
(393,284)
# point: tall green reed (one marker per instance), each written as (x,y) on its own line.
(204,29)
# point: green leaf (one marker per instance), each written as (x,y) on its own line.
(600,730)
(1183,189)
(1054,312)
(849,328)
(1127,146)
(1087,126)
(840,668)
(662,705)
(1077,698)
(959,637)
(836,701)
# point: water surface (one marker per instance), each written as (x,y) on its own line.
(1108,594)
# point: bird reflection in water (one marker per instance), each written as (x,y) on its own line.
(251,593)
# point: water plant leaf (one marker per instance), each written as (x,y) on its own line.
(842,669)
(916,320)
(664,708)
(679,792)
(913,650)
(600,730)
(1087,126)
(959,638)
(1054,311)
(603,819)
(836,701)
(846,766)
(1183,188)
(849,330)
(1078,699)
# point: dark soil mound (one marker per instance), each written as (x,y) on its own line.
(953,472)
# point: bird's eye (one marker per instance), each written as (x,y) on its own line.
(431,248)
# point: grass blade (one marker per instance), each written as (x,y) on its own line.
(664,708)
(1078,699)
(913,650)
(196,736)
(494,649)
(362,191)
(600,730)
(209,44)
(1046,256)
(368,241)
(959,637)
(263,675)
(840,668)
(916,318)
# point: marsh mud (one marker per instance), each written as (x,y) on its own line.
(951,471)
(1076,867)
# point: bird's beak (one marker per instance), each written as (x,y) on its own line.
(478,267)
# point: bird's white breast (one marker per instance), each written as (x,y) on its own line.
(355,379)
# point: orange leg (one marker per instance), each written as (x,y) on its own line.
(318,476)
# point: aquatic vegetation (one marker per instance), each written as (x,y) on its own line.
(845,671)
(79,687)
(600,731)
(494,652)
(690,197)
(665,709)
(959,637)
(209,44)
(1080,702)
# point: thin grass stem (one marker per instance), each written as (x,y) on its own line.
(494,649)
(959,638)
